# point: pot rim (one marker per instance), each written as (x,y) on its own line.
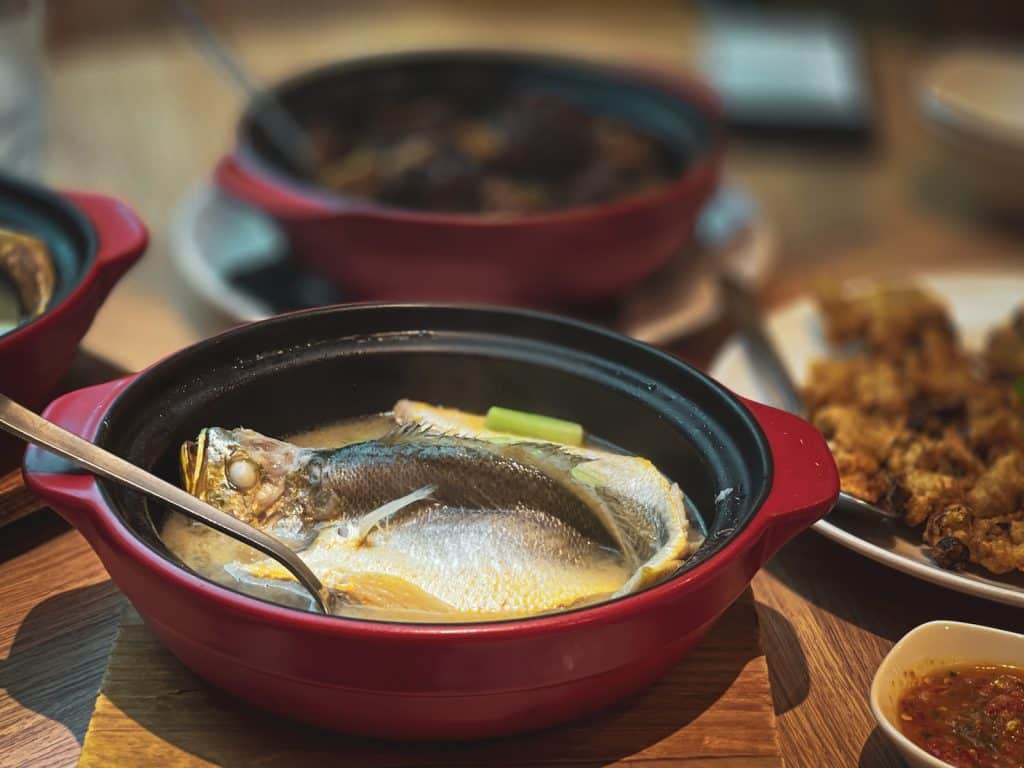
(679,86)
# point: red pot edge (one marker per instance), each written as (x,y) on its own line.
(795,501)
(805,479)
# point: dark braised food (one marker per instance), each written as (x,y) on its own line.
(923,427)
(969,716)
(526,151)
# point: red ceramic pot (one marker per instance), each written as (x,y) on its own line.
(754,477)
(92,241)
(579,255)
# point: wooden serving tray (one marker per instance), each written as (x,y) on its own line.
(714,709)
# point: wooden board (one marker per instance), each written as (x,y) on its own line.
(15,500)
(714,709)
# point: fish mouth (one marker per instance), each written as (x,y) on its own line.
(193,465)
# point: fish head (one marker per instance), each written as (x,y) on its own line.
(252,477)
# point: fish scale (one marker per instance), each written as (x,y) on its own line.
(463,474)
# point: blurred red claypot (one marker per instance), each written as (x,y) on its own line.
(584,254)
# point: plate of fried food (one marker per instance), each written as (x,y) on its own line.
(919,388)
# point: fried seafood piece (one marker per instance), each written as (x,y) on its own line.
(862,475)
(849,428)
(946,455)
(887,320)
(941,376)
(1004,348)
(1000,489)
(958,535)
(919,494)
(995,420)
(871,384)
(844,319)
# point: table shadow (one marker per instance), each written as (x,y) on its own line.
(787,664)
(49,652)
(26,534)
(876,598)
(879,753)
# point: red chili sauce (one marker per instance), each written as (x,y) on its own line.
(969,716)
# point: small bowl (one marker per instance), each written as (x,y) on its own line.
(932,646)
(373,251)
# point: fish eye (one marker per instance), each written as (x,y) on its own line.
(243,474)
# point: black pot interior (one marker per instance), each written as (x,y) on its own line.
(67,233)
(347,92)
(302,371)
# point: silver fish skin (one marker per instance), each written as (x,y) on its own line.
(273,484)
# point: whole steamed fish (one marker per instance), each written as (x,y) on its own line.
(446,521)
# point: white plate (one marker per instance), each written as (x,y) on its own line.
(978,301)
(235,258)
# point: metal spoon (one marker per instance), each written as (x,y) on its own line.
(741,306)
(22,423)
(281,129)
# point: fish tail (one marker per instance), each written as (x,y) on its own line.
(372,519)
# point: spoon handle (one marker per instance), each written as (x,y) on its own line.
(282,130)
(741,306)
(22,423)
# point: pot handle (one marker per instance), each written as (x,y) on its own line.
(70,490)
(121,235)
(805,482)
(273,199)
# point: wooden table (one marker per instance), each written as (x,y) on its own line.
(135,113)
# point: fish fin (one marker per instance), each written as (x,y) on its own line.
(410,433)
(552,452)
(371,520)
(192,461)
(385,591)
